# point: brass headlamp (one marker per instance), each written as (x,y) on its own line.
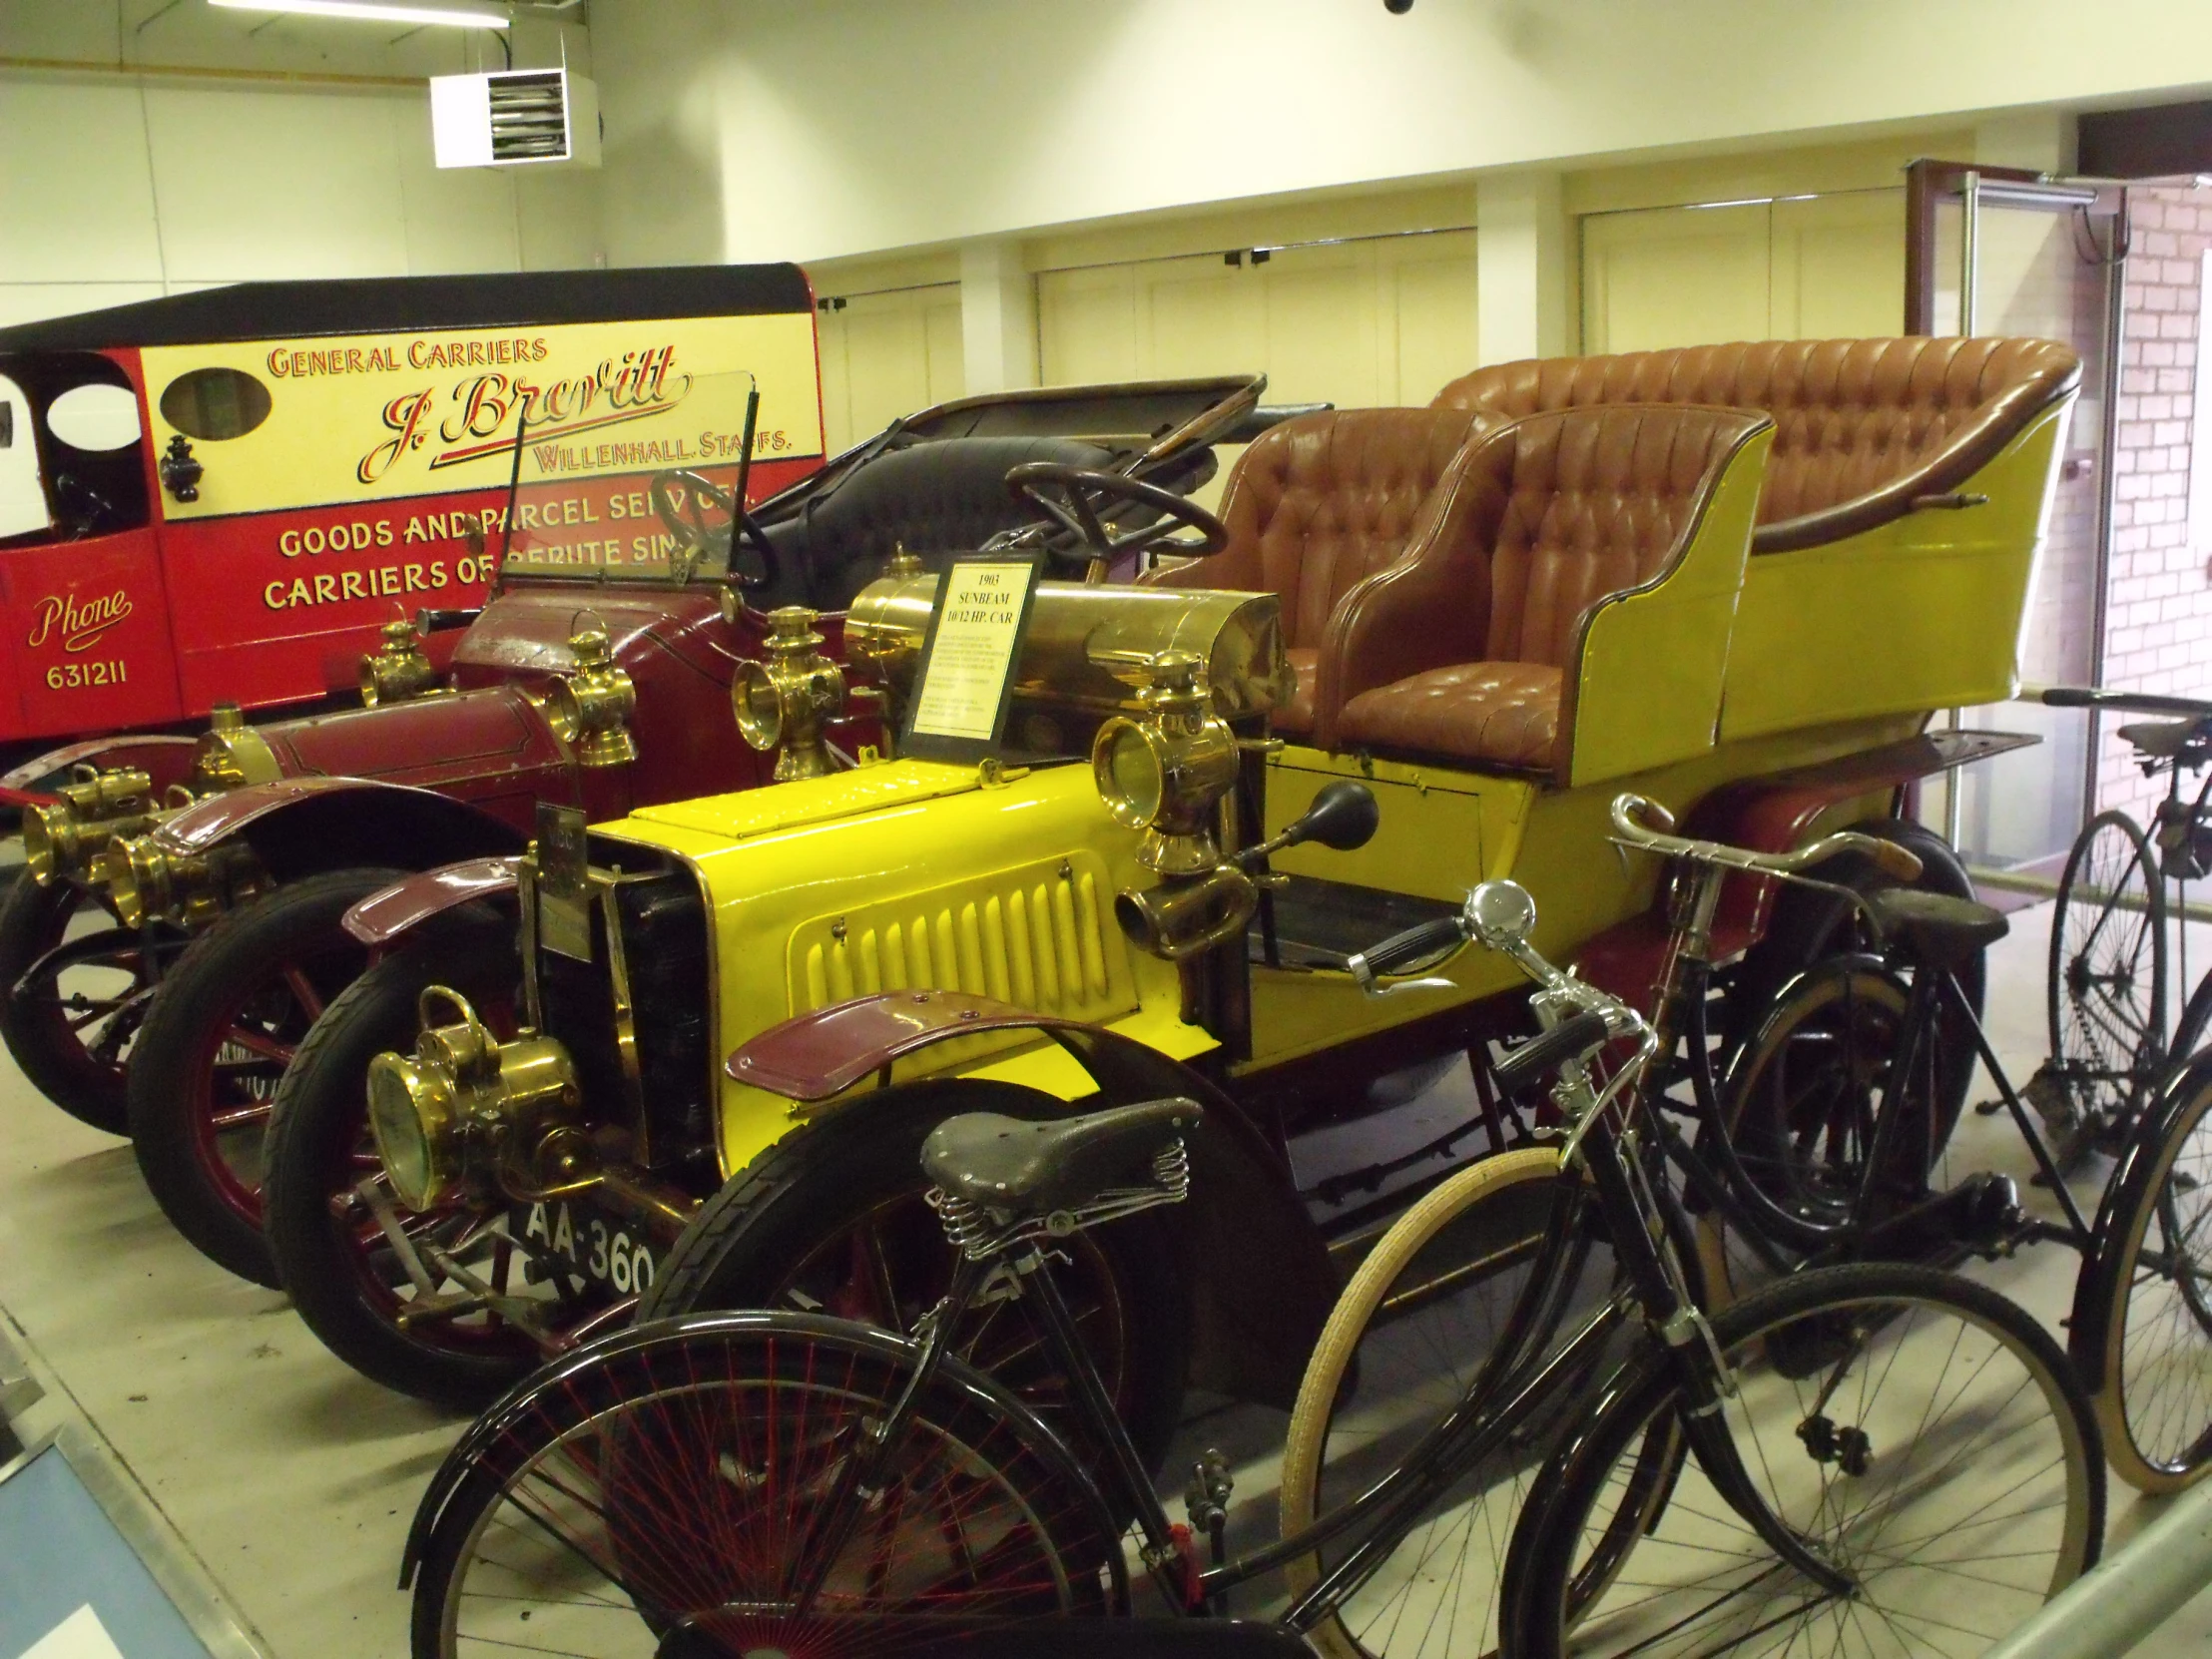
(65,840)
(400,670)
(232,753)
(146,881)
(465,1103)
(788,699)
(1166,771)
(590,707)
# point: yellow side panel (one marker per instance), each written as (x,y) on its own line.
(1921,613)
(1454,830)
(1041,935)
(1441,832)
(1653,663)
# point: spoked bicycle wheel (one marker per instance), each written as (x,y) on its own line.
(2107,987)
(1405,1347)
(2142,1315)
(680,1471)
(1914,1430)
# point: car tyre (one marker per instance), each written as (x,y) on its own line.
(266,970)
(318,1129)
(753,1243)
(53,1058)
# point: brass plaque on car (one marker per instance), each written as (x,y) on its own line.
(564,881)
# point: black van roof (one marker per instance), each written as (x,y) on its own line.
(392,305)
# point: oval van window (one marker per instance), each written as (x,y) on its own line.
(95,418)
(215,403)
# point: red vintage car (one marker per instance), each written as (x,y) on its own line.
(599,675)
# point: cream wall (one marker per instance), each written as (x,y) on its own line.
(199,153)
(854,126)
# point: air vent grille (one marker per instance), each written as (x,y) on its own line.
(529,117)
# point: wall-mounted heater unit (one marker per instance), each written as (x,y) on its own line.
(514,117)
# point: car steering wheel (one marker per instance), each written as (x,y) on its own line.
(686,518)
(1071,497)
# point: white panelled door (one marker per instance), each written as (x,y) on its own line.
(888,354)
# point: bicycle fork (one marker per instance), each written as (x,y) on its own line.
(1705,1381)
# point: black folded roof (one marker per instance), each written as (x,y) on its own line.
(390,305)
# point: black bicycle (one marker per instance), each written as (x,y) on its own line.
(2109,980)
(788,1482)
(1834,1117)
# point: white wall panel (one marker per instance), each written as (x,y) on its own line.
(888,354)
(855,126)
(75,198)
(245,180)
(270,184)
(1380,320)
(1817,268)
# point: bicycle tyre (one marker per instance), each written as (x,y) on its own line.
(2112,856)
(2001,1377)
(1800,1139)
(655,1475)
(2142,1335)
(1404,1347)
(1517,1184)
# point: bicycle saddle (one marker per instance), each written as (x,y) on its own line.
(1934,927)
(1032,1168)
(2162,740)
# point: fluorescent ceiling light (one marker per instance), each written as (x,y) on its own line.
(462,14)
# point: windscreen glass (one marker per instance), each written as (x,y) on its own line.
(634,485)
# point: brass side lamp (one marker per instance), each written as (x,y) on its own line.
(788,699)
(590,707)
(400,670)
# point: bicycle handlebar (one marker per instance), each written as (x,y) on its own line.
(1570,1039)
(1631,828)
(2134,703)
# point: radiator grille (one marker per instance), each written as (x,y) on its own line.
(1041,936)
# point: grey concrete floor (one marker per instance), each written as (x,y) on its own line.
(291,1479)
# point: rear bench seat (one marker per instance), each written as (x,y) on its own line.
(1863,427)
(1903,507)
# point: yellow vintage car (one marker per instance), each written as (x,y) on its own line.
(1433,646)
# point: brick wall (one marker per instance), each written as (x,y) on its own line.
(2158,617)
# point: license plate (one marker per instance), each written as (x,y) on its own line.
(595,1245)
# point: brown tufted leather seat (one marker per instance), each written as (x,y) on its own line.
(1316,506)
(1863,426)
(1471,649)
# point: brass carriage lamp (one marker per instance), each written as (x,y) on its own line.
(64,839)
(788,699)
(146,881)
(463,1102)
(1165,772)
(400,670)
(590,707)
(232,753)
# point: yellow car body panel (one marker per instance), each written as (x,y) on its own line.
(912,875)
(1903,616)
(1442,831)
(1653,661)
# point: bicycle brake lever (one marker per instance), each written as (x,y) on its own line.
(1374,988)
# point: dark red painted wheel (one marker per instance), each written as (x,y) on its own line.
(75,984)
(446,1304)
(222,1029)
